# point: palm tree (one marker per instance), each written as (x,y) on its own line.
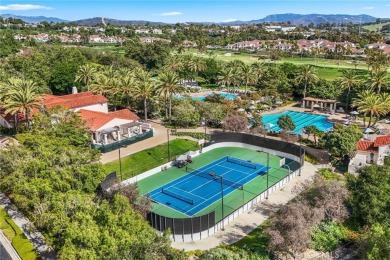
(348,81)
(126,85)
(307,75)
(22,98)
(226,77)
(379,79)
(196,65)
(169,84)
(101,85)
(372,104)
(86,73)
(247,75)
(144,89)
(174,63)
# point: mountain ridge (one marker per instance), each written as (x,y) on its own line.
(294,19)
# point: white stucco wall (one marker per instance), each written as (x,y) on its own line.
(382,152)
(102,107)
(115,122)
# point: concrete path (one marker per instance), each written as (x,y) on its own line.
(35,237)
(7,251)
(248,221)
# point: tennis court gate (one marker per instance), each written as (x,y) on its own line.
(189,229)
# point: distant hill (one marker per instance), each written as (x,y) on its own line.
(98,20)
(305,19)
(35,19)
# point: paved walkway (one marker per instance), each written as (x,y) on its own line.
(35,237)
(7,251)
(248,221)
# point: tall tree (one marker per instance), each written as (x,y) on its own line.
(169,84)
(144,89)
(306,75)
(226,78)
(247,75)
(348,81)
(22,98)
(85,74)
(379,79)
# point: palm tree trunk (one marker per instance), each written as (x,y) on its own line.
(16,122)
(369,122)
(170,105)
(347,103)
(246,85)
(364,119)
(145,111)
(28,119)
(304,95)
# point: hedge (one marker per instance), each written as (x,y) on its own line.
(18,240)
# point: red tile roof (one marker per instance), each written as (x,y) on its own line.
(382,140)
(73,100)
(95,120)
(364,145)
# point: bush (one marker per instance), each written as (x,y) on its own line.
(311,159)
(326,236)
(327,174)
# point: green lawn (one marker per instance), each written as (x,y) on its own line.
(255,242)
(22,245)
(374,27)
(140,162)
(233,200)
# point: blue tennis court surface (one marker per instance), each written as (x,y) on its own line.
(202,187)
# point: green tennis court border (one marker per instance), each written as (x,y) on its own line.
(233,200)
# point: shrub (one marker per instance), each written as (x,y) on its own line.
(327,174)
(326,236)
(193,135)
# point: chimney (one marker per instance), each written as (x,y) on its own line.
(74,90)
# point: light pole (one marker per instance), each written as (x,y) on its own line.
(223,214)
(169,150)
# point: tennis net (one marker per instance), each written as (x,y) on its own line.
(214,177)
(241,162)
(177,196)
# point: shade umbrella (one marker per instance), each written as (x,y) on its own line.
(379,127)
(278,102)
(270,125)
(354,113)
(265,105)
(240,110)
(252,107)
(368,131)
(384,121)
(316,106)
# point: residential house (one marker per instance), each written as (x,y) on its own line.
(188,44)
(109,130)
(157,31)
(140,31)
(369,152)
(153,39)
(96,39)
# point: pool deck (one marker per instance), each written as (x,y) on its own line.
(251,219)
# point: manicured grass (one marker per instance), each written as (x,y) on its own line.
(255,242)
(374,27)
(22,245)
(140,162)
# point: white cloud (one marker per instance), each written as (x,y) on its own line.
(22,7)
(229,20)
(368,8)
(171,14)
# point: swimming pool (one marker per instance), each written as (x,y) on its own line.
(203,98)
(300,119)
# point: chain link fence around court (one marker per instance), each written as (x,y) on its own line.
(209,219)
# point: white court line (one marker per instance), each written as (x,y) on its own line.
(171,207)
(246,173)
(189,192)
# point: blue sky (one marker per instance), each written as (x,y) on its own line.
(188,10)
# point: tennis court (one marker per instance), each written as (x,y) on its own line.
(201,187)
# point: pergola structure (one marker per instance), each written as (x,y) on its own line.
(321,103)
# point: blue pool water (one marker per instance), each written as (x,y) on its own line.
(300,119)
(203,98)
